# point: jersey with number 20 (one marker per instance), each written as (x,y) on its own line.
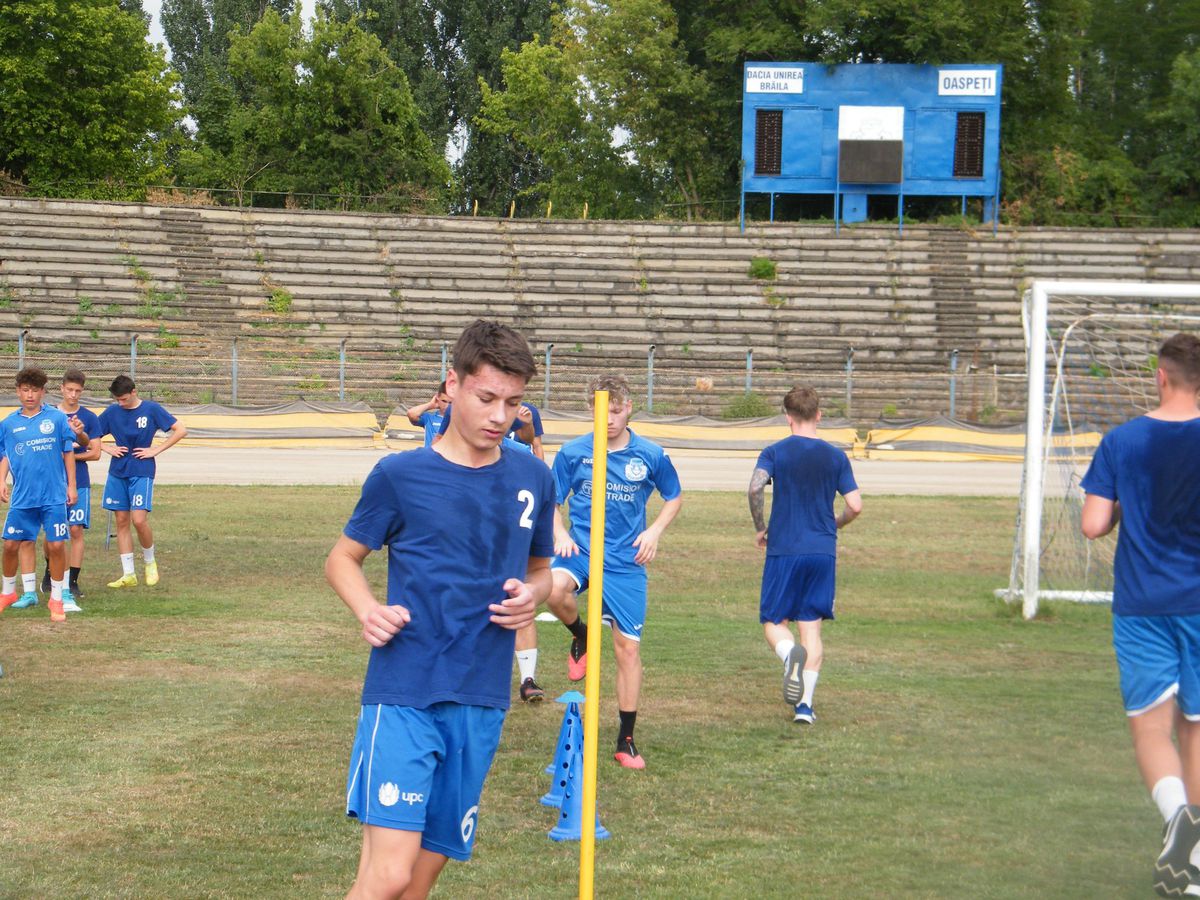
(454,535)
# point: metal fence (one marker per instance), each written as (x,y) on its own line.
(256,373)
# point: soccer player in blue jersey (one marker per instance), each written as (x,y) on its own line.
(1146,476)
(79,515)
(39,450)
(636,468)
(469,529)
(801,543)
(430,415)
(129,490)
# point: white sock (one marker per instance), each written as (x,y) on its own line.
(29,581)
(1169,794)
(10,585)
(527,663)
(810,684)
(56,588)
(782,649)
(148,554)
(126,563)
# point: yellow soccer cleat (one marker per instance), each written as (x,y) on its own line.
(151,573)
(125,581)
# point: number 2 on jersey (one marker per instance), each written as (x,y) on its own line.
(526,497)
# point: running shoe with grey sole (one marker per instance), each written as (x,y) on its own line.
(1173,871)
(793,675)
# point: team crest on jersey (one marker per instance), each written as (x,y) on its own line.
(47,427)
(635,470)
(586,488)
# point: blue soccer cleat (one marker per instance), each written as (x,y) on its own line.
(28,599)
(804,714)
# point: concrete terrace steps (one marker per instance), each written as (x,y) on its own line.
(409,283)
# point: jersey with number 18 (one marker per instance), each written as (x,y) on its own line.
(454,535)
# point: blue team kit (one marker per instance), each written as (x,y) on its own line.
(34,446)
(130,482)
(439,688)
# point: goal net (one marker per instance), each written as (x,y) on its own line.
(1091,351)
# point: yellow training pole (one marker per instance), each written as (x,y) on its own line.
(591,684)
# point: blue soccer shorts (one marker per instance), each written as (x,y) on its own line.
(128,493)
(423,770)
(24,524)
(624,593)
(1158,657)
(80,512)
(797,588)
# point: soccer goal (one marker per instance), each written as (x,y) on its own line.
(1091,350)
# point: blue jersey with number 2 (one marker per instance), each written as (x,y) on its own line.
(454,535)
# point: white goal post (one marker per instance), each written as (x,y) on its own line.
(1094,327)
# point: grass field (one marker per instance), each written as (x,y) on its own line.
(191,740)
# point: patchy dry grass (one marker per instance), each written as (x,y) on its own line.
(191,740)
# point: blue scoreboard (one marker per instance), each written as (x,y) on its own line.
(857,130)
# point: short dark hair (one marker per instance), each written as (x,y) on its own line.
(121,385)
(33,377)
(1179,357)
(442,387)
(74,376)
(802,404)
(489,343)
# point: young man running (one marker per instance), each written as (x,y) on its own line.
(129,491)
(39,450)
(636,468)
(1146,475)
(469,527)
(800,569)
(79,515)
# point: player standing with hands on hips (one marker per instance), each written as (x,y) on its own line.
(129,490)
(799,575)
(469,527)
(1146,476)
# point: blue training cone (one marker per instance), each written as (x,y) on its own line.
(570,826)
(572,699)
(570,737)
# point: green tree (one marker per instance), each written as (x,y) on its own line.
(446,47)
(83,98)
(198,33)
(616,76)
(1177,121)
(326,114)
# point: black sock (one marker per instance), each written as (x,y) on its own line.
(578,630)
(75,574)
(627,720)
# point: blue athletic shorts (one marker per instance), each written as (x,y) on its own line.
(80,512)
(797,588)
(624,593)
(24,524)
(423,770)
(128,493)
(1158,657)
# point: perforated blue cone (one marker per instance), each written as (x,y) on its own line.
(570,814)
(570,737)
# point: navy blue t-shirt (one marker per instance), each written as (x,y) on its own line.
(454,535)
(134,428)
(807,474)
(1152,468)
(91,427)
